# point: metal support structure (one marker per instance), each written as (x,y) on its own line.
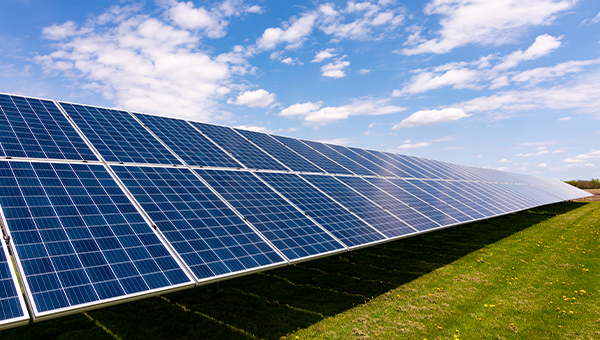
(350,255)
(217,287)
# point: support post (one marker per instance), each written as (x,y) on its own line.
(350,255)
(217,287)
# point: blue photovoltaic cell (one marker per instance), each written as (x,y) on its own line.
(339,158)
(363,161)
(285,155)
(36,128)
(486,207)
(283,225)
(418,188)
(391,187)
(210,238)
(335,218)
(309,153)
(78,238)
(361,206)
(368,154)
(11,304)
(416,164)
(187,142)
(393,205)
(402,165)
(454,200)
(242,150)
(118,136)
(485,192)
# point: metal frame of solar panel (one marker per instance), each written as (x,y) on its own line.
(87,194)
(13,310)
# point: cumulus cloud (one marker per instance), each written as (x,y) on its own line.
(252,128)
(335,69)
(408,144)
(564,119)
(539,74)
(322,55)
(431,117)
(459,78)
(293,34)
(364,71)
(583,158)
(487,22)
(504,160)
(543,45)
(144,64)
(338,141)
(542,165)
(314,112)
(259,98)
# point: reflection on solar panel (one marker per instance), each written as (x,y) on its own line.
(79,241)
(187,142)
(13,311)
(87,232)
(335,218)
(396,207)
(287,228)
(37,129)
(309,153)
(210,238)
(360,205)
(239,147)
(118,136)
(285,155)
(339,158)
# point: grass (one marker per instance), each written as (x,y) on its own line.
(529,275)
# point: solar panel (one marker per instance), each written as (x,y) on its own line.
(368,211)
(13,311)
(309,153)
(187,142)
(396,207)
(36,128)
(482,202)
(454,200)
(241,149)
(288,229)
(363,161)
(210,238)
(416,164)
(78,240)
(339,158)
(381,162)
(282,153)
(117,136)
(337,219)
(398,163)
(391,186)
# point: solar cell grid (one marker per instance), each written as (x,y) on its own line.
(335,218)
(246,153)
(12,307)
(417,164)
(380,161)
(78,239)
(285,155)
(283,225)
(420,189)
(455,200)
(210,238)
(36,128)
(476,200)
(309,153)
(187,142)
(117,136)
(392,204)
(398,163)
(363,161)
(369,212)
(339,158)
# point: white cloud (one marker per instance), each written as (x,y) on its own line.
(59,32)
(586,157)
(313,113)
(476,156)
(542,165)
(487,22)
(408,144)
(503,168)
(543,152)
(290,61)
(431,117)
(504,160)
(335,69)
(536,75)
(543,45)
(293,34)
(143,64)
(459,78)
(252,128)
(364,71)
(368,18)
(258,98)
(525,154)
(322,55)
(564,119)
(593,20)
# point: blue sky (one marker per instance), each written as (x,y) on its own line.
(505,84)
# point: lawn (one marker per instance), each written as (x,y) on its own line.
(528,275)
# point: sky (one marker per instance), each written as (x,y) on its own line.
(503,84)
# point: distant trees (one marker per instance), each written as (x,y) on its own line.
(581,184)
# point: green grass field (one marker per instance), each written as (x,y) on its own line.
(529,275)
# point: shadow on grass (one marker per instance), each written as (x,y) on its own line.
(274,303)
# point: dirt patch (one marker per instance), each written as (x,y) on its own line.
(595,198)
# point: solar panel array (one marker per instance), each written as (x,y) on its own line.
(101,206)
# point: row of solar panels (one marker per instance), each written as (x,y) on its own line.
(90,235)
